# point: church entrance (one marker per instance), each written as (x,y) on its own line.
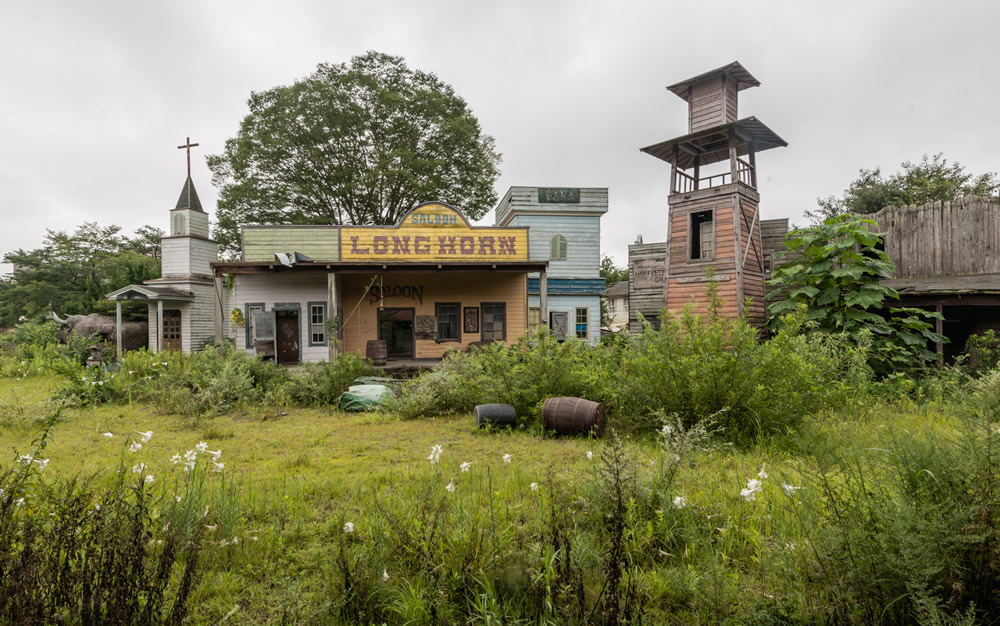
(395,328)
(172,331)
(287,337)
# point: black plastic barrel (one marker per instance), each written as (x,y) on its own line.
(495,415)
(376,351)
(571,416)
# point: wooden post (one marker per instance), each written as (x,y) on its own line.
(118,328)
(673,170)
(939,329)
(333,333)
(737,221)
(543,298)
(159,326)
(753,165)
(697,172)
(218,313)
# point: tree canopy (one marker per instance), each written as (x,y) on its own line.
(358,143)
(71,273)
(930,180)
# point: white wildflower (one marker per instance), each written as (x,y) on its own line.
(201,447)
(135,447)
(750,493)
(590,455)
(190,455)
(762,474)
(149,479)
(138,467)
(435,454)
(177,498)
(145,436)
(175,459)
(789,489)
(218,466)
(164,363)
(450,487)
(22,319)
(348,527)
(534,486)
(507,458)
(215,454)
(109,435)
(19,501)
(131,371)
(24,459)
(189,466)
(680,502)
(97,507)
(465,466)
(385,574)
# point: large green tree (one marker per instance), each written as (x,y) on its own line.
(72,272)
(930,180)
(357,143)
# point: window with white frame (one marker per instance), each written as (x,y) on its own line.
(250,323)
(317,323)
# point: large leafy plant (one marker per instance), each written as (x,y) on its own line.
(835,270)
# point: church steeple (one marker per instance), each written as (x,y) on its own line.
(189,197)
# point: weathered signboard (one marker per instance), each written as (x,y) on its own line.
(648,274)
(434,233)
(471,319)
(264,325)
(558,195)
(425,327)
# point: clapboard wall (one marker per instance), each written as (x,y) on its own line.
(943,238)
(646,300)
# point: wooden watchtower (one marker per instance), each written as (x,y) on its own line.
(714,219)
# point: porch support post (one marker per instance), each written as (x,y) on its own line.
(159,326)
(218,313)
(333,334)
(543,298)
(118,328)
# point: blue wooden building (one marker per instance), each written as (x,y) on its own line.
(564,228)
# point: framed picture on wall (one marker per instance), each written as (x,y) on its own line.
(471,317)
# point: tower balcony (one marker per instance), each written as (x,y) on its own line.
(692,180)
(735,144)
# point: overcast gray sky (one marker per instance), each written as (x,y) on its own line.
(97,95)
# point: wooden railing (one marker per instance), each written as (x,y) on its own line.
(746,173)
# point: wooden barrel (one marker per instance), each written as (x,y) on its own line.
(495,415)
(376,351)
(570,416)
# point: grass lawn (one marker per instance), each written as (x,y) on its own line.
(291,482)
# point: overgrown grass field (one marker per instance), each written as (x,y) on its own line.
(739,482)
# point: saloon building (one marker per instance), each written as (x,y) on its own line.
(430,283)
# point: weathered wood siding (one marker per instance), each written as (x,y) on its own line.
(943,238)
(593,201)
(649,300)
(469,289)
(583,243)
(321,243)
(569,304)
(184,256)
(712,102)
(287,288)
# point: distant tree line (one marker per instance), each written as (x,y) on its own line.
(72,272)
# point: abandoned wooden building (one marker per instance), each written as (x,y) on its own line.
(714,206)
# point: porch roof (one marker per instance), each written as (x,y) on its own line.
(358,267)
(143,292)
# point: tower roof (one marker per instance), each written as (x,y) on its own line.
(711,145)
(743,78)
(189,197)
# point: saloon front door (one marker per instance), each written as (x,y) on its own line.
(395,328)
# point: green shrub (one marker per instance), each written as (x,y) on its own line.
(320,384)
(982,353)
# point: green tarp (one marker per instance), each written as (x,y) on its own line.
(363,397)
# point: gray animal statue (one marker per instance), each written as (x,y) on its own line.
(135,335)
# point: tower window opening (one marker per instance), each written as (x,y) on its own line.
(702,236)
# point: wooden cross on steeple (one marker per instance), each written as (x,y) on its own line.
(187,146)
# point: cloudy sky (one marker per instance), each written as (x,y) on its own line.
(97,95)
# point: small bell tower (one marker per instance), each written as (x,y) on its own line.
(714,219)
